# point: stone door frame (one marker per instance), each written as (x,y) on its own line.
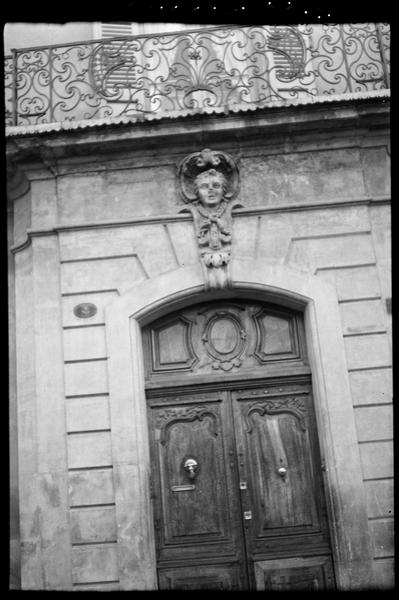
(255,279)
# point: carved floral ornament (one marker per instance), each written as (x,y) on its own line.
(209,182)
(170,416)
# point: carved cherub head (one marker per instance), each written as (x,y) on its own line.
(210,177)
(210,187)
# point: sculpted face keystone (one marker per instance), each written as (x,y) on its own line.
(208,181)
(210,188)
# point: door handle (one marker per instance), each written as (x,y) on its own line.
(191,467)
(282,471)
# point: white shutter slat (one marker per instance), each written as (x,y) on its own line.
(109,30)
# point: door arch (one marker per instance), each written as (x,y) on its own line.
(256,279)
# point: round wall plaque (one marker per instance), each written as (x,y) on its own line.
(85,310)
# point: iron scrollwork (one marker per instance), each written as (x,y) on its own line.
(194,71)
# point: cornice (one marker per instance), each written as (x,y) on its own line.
(179,217)
(110,137)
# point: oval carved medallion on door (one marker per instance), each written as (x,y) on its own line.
(223,337)
(237,483)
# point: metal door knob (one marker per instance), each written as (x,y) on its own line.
(282,472)
(191,466)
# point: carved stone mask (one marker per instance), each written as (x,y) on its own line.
(210,187)
(201,164)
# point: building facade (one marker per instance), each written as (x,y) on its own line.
(200,314)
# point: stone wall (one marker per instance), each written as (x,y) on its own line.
(105,219)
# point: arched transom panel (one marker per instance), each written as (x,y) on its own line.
(224,337)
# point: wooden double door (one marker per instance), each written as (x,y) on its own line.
(237,485)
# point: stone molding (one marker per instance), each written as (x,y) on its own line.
(162,219)
(333,406)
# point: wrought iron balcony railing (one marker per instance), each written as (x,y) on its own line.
(186,72)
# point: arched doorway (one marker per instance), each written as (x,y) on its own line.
(237,480)
(262,281)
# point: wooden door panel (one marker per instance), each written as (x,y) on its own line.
(295,574)
(201,577)
(280,501)
(194,517)
(277,463)
(184,515)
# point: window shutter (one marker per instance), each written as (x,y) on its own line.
(117,29)
(121,28)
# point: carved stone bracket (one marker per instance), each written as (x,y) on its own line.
(209,181)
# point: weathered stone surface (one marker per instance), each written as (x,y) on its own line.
(361,317)
(337,251)
(329,220)
(371,387)
(376,168)
(99,300)
(120,194)
(274,233)
(104,586)
(91,487)
(84,342)
(379,495)
(368,351)
(182,238)
(118,242)
(103,274)
(22,218)
(86,378)
(92,449)
(377,460)
(384,574)
(297,176)
(93,564)
(55,533)
(93,525)
(136,566)
(354,283)
(374,423)
(44,203)
(383,537)
(245,237)
(381,233)
(87,413)
(15,552)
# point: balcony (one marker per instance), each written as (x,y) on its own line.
(216,69)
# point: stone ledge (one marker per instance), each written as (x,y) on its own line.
(28,143)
